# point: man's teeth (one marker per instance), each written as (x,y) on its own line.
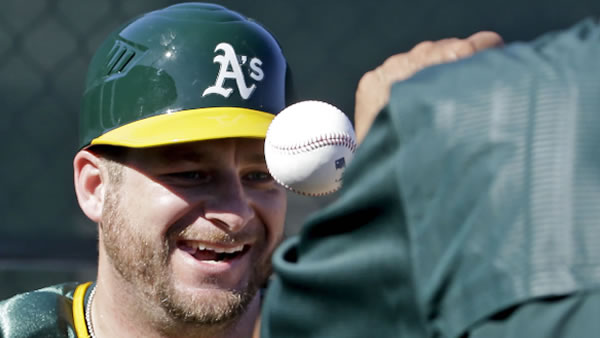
(222,250)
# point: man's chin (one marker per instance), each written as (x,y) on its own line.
(205,305)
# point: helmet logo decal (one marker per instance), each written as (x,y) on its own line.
(231,68)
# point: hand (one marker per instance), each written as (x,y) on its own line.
(374,87)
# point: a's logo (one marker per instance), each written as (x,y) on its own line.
(231,68)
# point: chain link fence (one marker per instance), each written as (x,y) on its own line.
(45,46)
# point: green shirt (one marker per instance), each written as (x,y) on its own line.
(476,190)
(49,312)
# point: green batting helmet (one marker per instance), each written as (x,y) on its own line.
(188,72)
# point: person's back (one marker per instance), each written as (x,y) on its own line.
(470,209)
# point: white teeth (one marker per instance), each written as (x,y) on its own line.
(222,250)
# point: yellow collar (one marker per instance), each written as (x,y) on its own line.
(79,310)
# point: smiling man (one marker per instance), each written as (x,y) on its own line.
(171,168)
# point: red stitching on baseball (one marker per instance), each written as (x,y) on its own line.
(333,139)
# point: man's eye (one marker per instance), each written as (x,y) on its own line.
(194,177)
(259,176)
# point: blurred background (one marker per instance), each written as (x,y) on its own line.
(45,46)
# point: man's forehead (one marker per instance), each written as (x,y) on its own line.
(244,149)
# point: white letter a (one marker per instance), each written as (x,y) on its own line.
(230,69)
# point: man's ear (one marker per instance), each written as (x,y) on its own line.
(89,184)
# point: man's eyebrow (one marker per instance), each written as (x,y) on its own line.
(185,156)
(254,158)
(198,156)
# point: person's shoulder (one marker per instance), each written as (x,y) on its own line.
(46,312)
(62,291)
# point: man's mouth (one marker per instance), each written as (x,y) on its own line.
(212,253)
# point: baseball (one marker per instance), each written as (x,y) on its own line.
(308,146)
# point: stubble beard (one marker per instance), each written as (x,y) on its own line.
(144,265)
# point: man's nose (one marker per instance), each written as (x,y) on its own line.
(229,206)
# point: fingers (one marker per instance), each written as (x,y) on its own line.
(428,53)
(372,94)
(373,89)
(484,40)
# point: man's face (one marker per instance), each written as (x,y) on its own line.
(193,226)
